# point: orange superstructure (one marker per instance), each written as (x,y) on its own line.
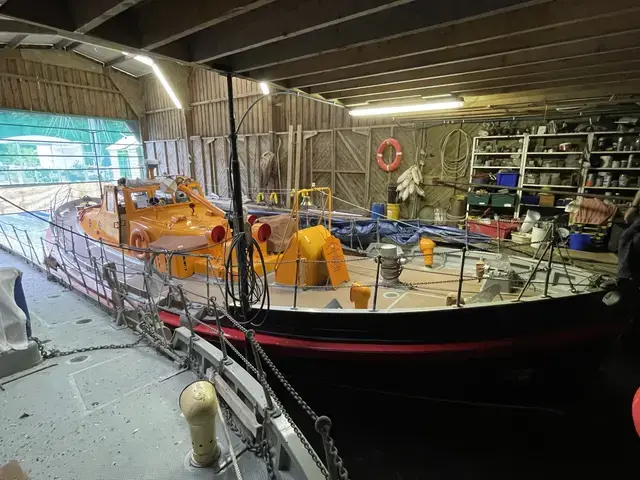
(153,219)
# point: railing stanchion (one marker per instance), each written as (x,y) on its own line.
(208,288)
(461,279)
(295,286)
(375,290)
(535,269)
(15,232)
(124,274)
(64,266)
(31,248)
(75,256)
(44,260)
(223,346)
(7,237)
(550,261)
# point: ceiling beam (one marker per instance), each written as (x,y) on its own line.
(17,40)
(396,22)
(286,19)
(496,83)
(53,13)
(586,63)
(90,14)
(596,48)
(164,21)
(562,13)
(79,16)
(14,26)
(628,27)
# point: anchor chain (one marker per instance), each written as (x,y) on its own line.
(46,354)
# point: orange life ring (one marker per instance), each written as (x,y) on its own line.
(396,162)
(139,239)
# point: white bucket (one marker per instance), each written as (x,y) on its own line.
(531,218)
(538,236)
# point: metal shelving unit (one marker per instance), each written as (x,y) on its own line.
(519,155)
(586,141)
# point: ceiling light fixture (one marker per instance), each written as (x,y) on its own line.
(411,108)
(161,77)
(265,88)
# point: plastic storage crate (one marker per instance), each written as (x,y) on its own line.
(478,199)
(508,179)
(503,200)
(491,229)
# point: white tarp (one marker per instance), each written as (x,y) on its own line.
(13,321)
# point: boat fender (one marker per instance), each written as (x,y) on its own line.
(139,239)
(273,197)
(396,161)
(218,233)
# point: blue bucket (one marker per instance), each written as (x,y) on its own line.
(579,241)
(377,209)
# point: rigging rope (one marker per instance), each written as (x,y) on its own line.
(454,167)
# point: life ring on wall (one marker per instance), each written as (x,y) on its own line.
(396,162)
(139,239)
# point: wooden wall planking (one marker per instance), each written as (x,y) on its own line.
(51,88)
(338,150)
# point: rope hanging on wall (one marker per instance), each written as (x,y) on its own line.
(457,167)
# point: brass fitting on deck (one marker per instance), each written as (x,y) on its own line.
(426,247)
(360,294)
(199,405)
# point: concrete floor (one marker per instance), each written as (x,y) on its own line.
(107,414)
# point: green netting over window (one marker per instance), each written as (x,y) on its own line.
(43,149)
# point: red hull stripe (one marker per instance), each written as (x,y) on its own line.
(555,338)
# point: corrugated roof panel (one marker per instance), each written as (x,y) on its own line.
(39,39)
(134,67)
(99,53)
(6,37)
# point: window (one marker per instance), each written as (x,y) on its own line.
(38,148)
(140,200)
(165,198)
(110,202)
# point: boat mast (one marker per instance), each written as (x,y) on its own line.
(236,197)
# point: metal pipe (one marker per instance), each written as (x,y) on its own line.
(375,290)
(237,204)
(464,256)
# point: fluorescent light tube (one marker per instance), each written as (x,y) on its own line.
(163,80)
(412,108)
(265,88)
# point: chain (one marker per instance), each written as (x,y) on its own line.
(276,400)
(260,448)
(286,415)
(46,354)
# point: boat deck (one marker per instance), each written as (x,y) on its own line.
(97,415)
